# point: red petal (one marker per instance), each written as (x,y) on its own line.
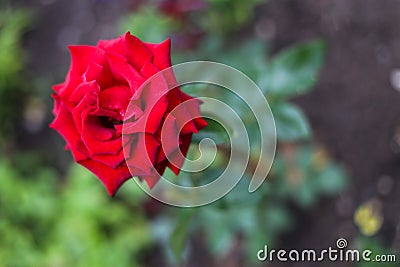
(64,125)
(83,89)
(169,136)
(186,112)
(95,130)
(57,104)
(179,158)
(150,180)
(110,177)
(110,160)
(148,70)
(143,154)
(162,54)
(124,72)
(129,47)
(98,143)
(88,100)
(83,55)
(58,87)
(99,73)
(115,98)
(150,120)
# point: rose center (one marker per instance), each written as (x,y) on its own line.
(109,122)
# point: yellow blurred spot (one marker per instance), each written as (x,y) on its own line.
(368,217)
(320,159)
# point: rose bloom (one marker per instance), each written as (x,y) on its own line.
(90,107)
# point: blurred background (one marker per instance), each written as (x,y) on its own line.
(331,73)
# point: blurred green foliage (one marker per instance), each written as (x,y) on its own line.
(47,223)
(375,245)
(12,59)
(225,16)
(12,25)
(294,70)
(299,177)
(138,23)
(291,73)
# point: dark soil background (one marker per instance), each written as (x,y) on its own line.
(354,109)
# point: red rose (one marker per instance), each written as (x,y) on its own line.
(90,107)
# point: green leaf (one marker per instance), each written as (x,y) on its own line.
(213,131)
(195,89)
(294,71)
(148,25)
(217,20)
(13,22)
(332,180)
(179,235)
(278,217)
(290,122)
(217,226)
(254,242)
(255,61)
(305,195)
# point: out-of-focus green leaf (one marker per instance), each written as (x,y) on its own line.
(256,241)
(213,131)
(12,25)
(45,224)
(224,16)
(179,235)
(294,71)
(290,122)
(272,220)
(240,196)
(331,180)
(249,57)
(195,89)
(148,25)
(307,173)
(305,195)
(219,234)
(277,216)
